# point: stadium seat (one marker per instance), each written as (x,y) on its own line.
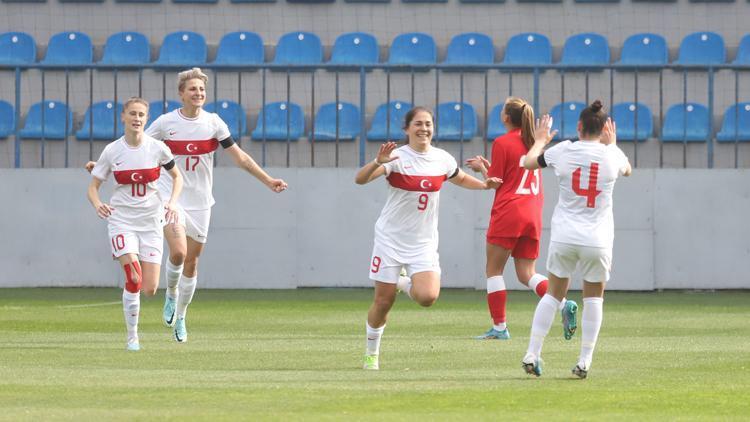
(470,48)
(528,49)
(137,1)
(734,114)
(275,117)
(355,48)
(253,1)
(367,1)
(585,49)
(17,48)
(310,1)
(103,123)
(539,1)
(298,48)
(644,49)
(7,119)
(157,108)
(232,114)
(702,48)
(495,126)
(624,115)
(567,112)
(743,51)
(482,1)
(182,48)
(67,48)
(126,48)
(388,121)
(55,114)
(414,49)
(686,122)
(449,125)
(424,1)
(195,1)
(240,48)
(325,122)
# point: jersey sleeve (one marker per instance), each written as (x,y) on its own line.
(154,129)
(165,154)
(451,166)
(498,159)
(222,130)
(103,166)
(552,155)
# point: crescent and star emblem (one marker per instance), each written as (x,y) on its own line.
(136,177)
(425,184)
(191,148)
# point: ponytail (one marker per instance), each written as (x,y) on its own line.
(521,115)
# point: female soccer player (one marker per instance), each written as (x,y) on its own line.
(582,225)
(193,135)
(136,212)
(406,232)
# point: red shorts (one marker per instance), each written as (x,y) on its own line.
(520,247)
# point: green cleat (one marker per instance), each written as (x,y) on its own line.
(493,334)
(371,363)
(569,319)
(168,312)
(532,365)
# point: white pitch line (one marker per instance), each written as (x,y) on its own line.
(90,305)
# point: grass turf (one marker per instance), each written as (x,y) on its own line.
(297,354)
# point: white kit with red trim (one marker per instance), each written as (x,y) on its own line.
(408,223)
(136,199)
(193,142)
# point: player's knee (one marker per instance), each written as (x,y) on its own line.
(149,291)
(427,299)
(177,257)
(133,277)
(190,265)
(383,303)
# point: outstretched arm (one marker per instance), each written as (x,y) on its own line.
(470,182)
(609,137)
(246,162)
(479,164)
(542,137)
(374,168)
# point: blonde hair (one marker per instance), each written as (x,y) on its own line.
(134,100)
(194,73)
(521,115)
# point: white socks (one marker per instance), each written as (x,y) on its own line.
(186,291)
(545,313)
(591,322)
(131,307)
(404,284)
(373,339)
(173,273)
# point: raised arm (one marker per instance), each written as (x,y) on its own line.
(542,137)
(244,161)
(102,210)
(374,168)
(468,181)
(609,137)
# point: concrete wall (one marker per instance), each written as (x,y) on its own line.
(674,229)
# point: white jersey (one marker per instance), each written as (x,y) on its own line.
(587,172)
(193,142)
(136,200)
(408,223)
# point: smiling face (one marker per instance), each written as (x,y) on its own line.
(134,117)
(193,95)
(419,130)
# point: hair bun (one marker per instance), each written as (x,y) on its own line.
(596,106)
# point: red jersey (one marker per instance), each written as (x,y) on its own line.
(517,208)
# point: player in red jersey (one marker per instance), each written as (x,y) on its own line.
(406,235)
(516,219)
(136,212)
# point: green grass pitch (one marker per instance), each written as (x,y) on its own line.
(297,354)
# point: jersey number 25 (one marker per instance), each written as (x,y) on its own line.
(533,185)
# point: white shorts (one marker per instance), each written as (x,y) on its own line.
(385,267)
(195,222)
(147,244)
(593,263)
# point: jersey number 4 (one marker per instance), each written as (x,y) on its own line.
(590,193)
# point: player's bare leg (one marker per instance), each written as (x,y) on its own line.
(385,296)
(425,288)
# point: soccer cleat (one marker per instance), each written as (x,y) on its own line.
(180,332)
(569,319)
(168,313)
(532,365)
(133,345)
(493,334)
(580,372)
(371,363)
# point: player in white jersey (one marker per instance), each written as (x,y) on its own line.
(582,226)
(193,135)
(406,235)
(136,211)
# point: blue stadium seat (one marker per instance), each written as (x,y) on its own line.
(743,51)
(126,48)
(253,1)
(232,114)
(55,113)
(449,122)
(239,48)
(183,48)
(103,122)
(355,48)
(528,48)
(734,114)
(413,48)
(569,112)
(388,121)
(688,122)
(7,119)
(702,48)
(298,48)
(325,122)
(157,108)
(67,48)
(195,1)
(276,122)
(495,126)
(624,115)
(482,1)
(644,49)
(585,49)
(470,48)
(17,48)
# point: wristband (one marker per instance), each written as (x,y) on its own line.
(377,164)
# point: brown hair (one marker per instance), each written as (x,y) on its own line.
(592,119)
(410,116)
(134,100)
(194,73)
(521,115)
